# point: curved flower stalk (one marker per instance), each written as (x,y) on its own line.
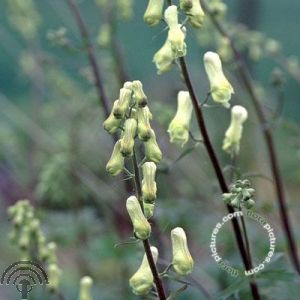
(86,283)
(141,226)
(152,150)
(233,135)
(182,262)
(149,188)
(179,126)
(115,165)
(127,141)
(194,12)
(220,88)
(154,11)
(142,281)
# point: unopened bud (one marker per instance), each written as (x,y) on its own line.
(153,13)
(112,124)
(115,165)
(86,283)
(127,141)
(141,226)
(233,134)
(182,260)
(220,87)
(149,210)
(152,150)
(179,126)
(148,184)
(142,281)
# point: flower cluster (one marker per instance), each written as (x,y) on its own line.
(241,193)
(28,235)
(131,116)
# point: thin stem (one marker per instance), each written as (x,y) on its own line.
(103,99)
(218,170)
(247,81)
(146,243)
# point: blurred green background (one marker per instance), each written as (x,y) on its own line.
(51,129)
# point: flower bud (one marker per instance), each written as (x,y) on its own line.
(182,260)
(153,13)
(148,184)
(122,105)
(112,124)
(186,4)
(86,283)
(149,210)
(54,274)
(142,281)
(138,93)
(164,58)
(233,134)
(179,126)
(176,35)
(24,240)
(196,14)
(141,226)
(220,87)
(152,151)
(144,128)
(127,141)
(104,36)
(116,162)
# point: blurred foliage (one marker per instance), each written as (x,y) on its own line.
(53,149)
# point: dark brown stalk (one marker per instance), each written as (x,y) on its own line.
(103,99)
(218,171)
(267,133)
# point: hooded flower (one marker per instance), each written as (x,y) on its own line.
(122,105)
(142,281)
(112,124)
(179,126)
(138,93)
(148,184)
(182,260)
(127,141)
(233,134)
(141,226)
(195,13)
(176,34)
(115,165)
(220,87)
(152,151)
(154,11)
(164,58)
(86,283)
(144,128)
